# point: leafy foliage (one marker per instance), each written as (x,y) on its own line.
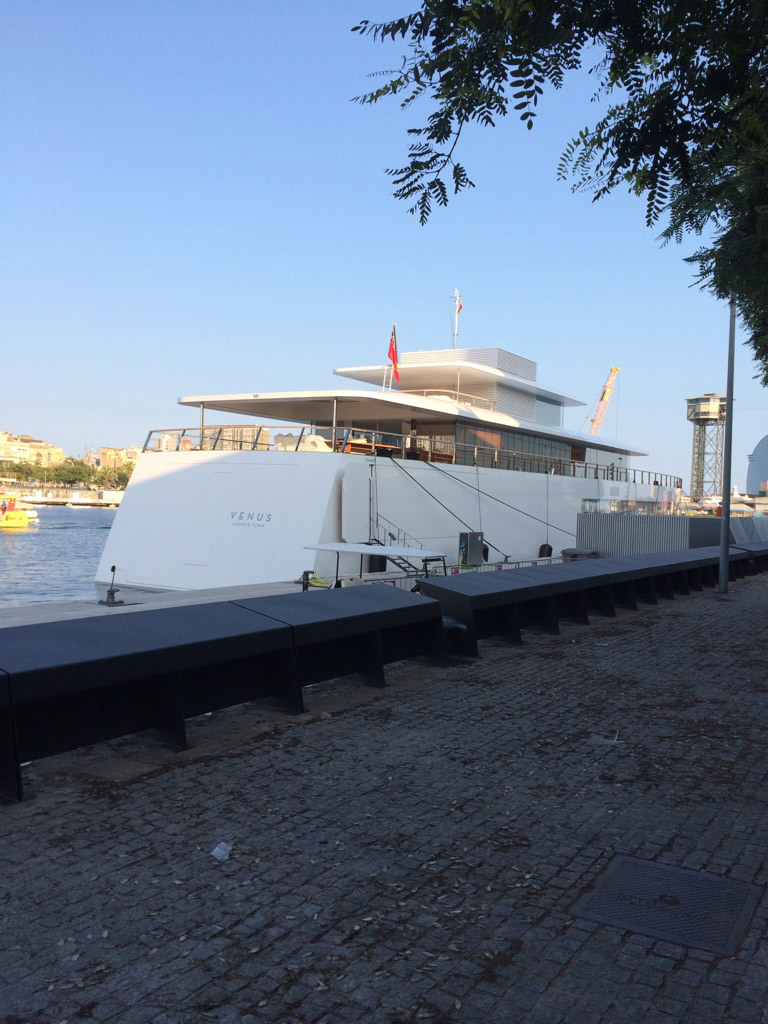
(685,83)
(68,472)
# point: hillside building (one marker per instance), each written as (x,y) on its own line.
(25,448)
(116,458)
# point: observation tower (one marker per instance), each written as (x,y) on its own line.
(707,413)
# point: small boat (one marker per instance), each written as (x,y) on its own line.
(12,518)
(14,504)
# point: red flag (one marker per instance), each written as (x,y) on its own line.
(393,354)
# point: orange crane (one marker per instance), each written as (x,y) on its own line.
(602,405)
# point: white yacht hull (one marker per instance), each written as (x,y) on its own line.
(203,519)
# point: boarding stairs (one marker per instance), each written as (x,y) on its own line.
(386,532)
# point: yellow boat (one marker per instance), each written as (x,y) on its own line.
(14,519)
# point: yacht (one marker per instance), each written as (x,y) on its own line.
(465,442)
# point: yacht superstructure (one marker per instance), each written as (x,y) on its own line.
(468,440)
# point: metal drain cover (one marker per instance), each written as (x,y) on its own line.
(687,907)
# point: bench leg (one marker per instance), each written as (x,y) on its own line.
(372,671)
(544,613)
(647,590)
(509,624)
(602,600)
(460,609)
(680,582)
(694,579)
(171,726)
(574,606)
(285,687)
(625,595)
(292,697)
(438,647)
(708,576)
(11,790)
(468,646)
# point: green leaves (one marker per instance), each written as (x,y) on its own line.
(464,56)
(686,126)
(421,179)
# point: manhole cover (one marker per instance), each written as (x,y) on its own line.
(687,907)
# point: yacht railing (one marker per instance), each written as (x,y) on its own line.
(387,532)
(460,397)
(398,446)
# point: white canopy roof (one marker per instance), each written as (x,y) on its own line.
(386,411)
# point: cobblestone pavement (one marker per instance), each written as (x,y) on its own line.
(412,854)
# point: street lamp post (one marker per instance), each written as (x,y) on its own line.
(725,522)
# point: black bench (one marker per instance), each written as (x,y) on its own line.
(67,684)
(757,553)
(355,630)
(501,603)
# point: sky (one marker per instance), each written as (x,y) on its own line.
(193,204)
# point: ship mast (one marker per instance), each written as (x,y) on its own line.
(458,303)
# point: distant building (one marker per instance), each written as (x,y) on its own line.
(757,472)
(116,458)
(25,448)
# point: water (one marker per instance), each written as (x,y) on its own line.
(55,561)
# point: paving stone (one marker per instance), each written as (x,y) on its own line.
(747,1011)
(673,1007)
(649,976)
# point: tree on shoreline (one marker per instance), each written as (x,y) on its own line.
(67,473)
(686,125)
(116,477)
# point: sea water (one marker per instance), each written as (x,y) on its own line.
(56,560)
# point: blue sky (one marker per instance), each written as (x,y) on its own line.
(192,205)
